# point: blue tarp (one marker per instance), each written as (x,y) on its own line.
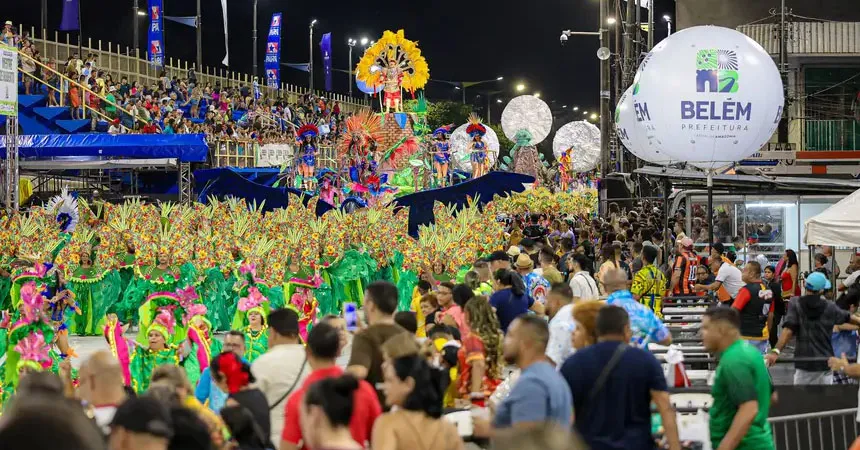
(226,182)
(184,147)
(484,189)
(237,183)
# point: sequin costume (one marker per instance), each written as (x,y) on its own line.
(145,359)
(403,67)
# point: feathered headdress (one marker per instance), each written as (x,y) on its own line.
(164,323)
(362,130)
(34,352)
(475,128)
(443,130)
(65,209)
(308,130)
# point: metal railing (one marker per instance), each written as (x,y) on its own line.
(63,90)
(841,134)
(132,64)
(246,153)
(827,430)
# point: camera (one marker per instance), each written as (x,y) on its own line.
(563,38)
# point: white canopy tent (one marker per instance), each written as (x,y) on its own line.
(838,226)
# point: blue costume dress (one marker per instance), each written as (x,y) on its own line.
(309,158)
(479,154)
(442,155)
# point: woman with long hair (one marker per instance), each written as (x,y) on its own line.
(510,298)
(414,391)
(790,276)
(233,375)
(607,262)
(326,412)
(480,356)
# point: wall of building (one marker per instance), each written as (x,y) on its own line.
(731,13)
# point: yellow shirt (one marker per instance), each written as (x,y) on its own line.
(419,316)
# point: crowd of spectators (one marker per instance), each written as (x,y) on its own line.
(177,103)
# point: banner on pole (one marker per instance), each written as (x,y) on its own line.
(8,81)
(156,33)
(69,21)
(190,21)
(272,64)
(325,48)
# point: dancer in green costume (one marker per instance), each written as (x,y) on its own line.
(156,352)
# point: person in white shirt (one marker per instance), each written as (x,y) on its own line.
(559,308)
(282,369)
(115,127)
(101,386)
(728,277)
(582,284)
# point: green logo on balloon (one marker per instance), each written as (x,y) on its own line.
(717,71)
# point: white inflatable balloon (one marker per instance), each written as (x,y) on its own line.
(632,133)
(709,96)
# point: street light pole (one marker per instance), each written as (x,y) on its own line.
(463,88)
(44,17)
(135,37)
(200,37)
(605,115)
(311,57)
(351,44)
(254,31)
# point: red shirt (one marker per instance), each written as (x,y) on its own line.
(365,408)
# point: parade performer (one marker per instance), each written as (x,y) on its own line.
(477,147)
(9,236)
(252,313)
(327,189)
(29,319)
(403,67)
(441,154)
(304,302)
(161,268)
(262,270)
(157,351)
(200,340)
(564,170)
(94,286)
(212,284)
(305,137)
(120,347)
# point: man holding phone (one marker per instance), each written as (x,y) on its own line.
(365,362)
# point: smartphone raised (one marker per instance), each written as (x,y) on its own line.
(350,314)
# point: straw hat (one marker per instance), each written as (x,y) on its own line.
(513,251)
(524,262)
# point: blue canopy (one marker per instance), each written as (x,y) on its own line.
(184,147)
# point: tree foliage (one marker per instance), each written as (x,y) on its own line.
(446,112)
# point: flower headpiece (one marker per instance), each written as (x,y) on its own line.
(32,302)
(34,352)
(197,310)
(475,128)
(253,302)
(164,323)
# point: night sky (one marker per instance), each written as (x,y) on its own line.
(462,41)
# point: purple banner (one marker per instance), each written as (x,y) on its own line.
(70,16)
(325,47)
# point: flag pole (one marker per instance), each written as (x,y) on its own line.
(80,31)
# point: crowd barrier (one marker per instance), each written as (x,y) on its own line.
(248,153)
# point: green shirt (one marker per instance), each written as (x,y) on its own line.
(741,377)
